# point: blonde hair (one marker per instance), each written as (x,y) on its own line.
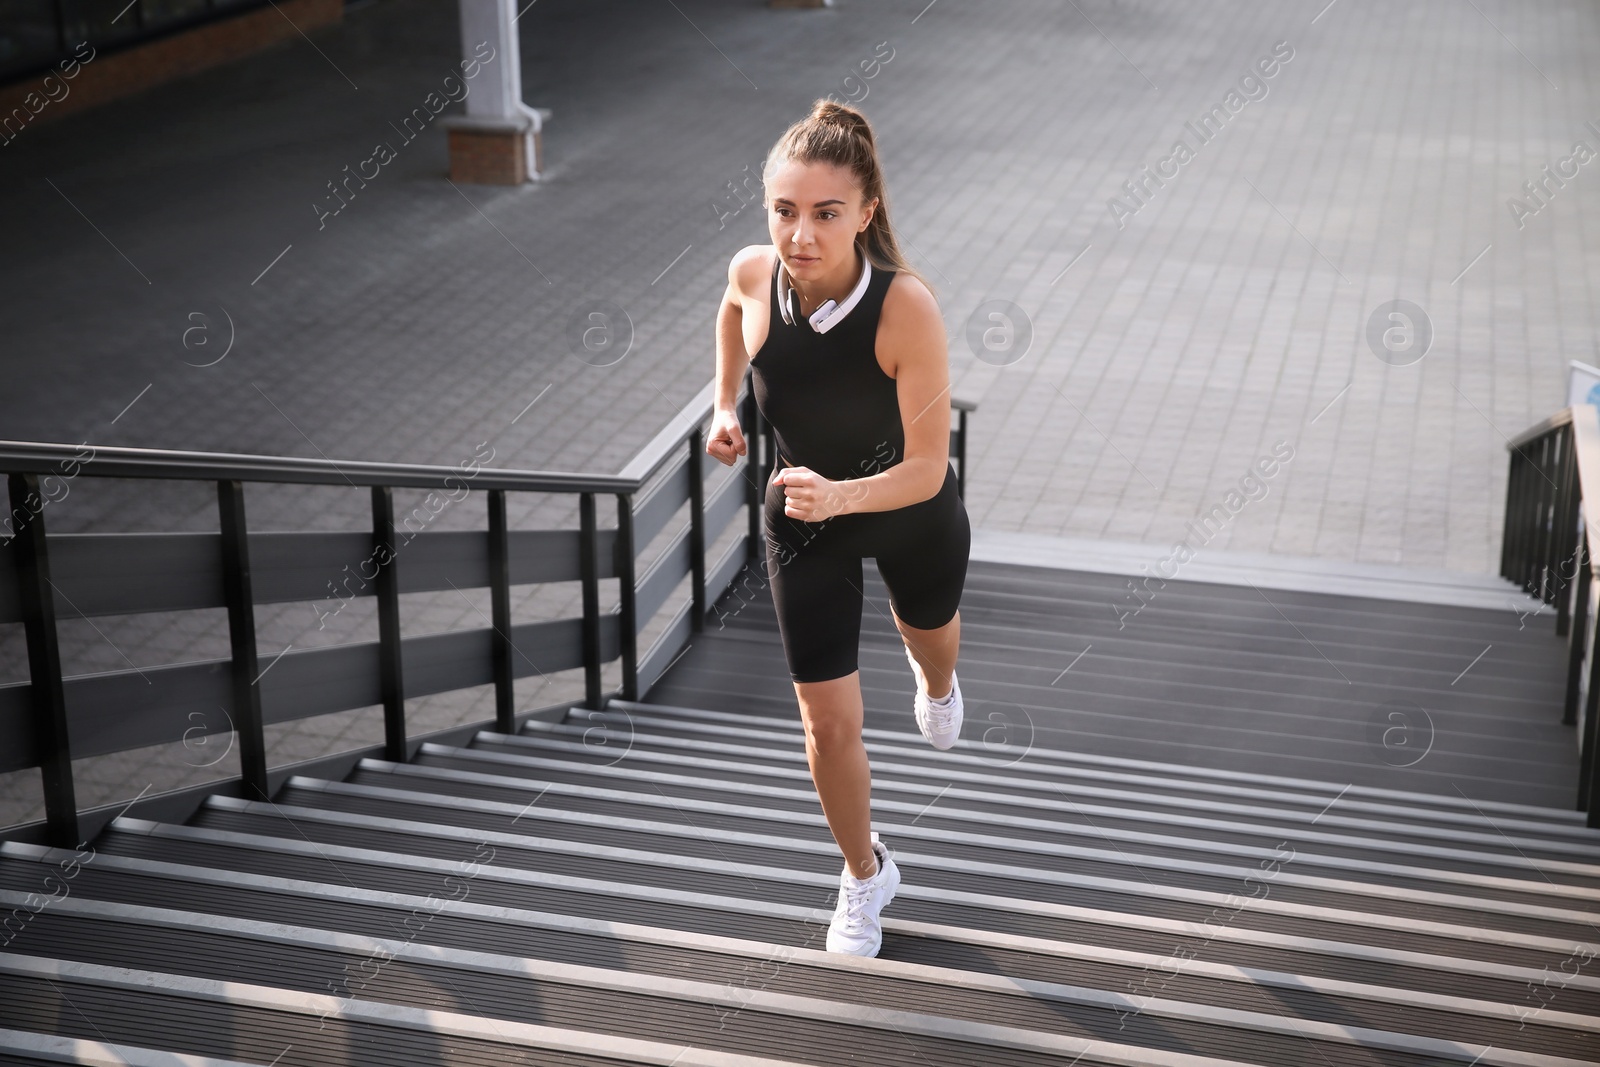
(841,135)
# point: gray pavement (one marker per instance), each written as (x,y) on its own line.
(1175,338)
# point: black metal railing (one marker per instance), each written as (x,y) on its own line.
(51,719)
(1547,548)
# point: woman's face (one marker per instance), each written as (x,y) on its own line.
(814,211)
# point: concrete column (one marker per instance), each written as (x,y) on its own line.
(498,141)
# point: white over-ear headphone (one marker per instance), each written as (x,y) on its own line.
(830,313)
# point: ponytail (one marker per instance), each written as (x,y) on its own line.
(840,135)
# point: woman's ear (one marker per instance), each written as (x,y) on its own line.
(871,210)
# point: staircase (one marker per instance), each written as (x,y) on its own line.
(650,883)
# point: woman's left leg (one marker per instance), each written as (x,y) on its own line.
(922,554)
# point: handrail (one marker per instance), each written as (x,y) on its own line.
(1549,547)
(27,457)
(1538,430)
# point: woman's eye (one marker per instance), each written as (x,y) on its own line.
(827,215)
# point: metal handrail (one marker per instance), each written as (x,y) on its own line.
(1549,547)
(28,457)
(1538,430)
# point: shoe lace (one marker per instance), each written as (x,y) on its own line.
(855,894)
(940,715)
(855,901)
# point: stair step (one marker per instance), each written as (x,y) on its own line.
(1043,594)
(22,1047)
(607,736)
(1340,742)
(1021,816)
(1265,652)
(291,1028)
(1198,611)
(1222,682)
(1144,772)
(783,841)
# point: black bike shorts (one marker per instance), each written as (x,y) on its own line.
(815,569)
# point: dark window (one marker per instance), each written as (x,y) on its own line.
(29,36)
(36,35)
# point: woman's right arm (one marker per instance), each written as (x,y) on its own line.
(725,440)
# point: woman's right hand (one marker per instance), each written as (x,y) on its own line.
(725,441)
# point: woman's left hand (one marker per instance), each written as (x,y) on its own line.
(808,496)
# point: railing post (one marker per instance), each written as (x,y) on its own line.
(1508,527)
(1588,763)
(754,495)
(1567,504)
(1549,505)
(1516,521)
(242,637)
(961,454)
(589,563)
(627,609)
(51,742)
(1579,638)
(1524,505)
(505,705)
(1527,509)
(697,529)
(391,675)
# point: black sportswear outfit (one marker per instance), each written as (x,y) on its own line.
(834,410)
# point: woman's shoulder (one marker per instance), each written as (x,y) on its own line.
(909,297)
(750,266)
(910,326)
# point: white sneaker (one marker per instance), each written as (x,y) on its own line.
(940,725)
(855,928)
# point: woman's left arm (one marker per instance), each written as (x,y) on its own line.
(912,340)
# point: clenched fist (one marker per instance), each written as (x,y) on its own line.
(808,496)
(725,441)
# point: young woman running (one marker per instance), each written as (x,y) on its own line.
(849,369)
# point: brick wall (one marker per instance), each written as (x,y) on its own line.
(487,158)
(108,76)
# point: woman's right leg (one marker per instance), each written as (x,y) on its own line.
(832,712)
(817,596)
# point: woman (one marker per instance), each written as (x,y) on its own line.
(850,370)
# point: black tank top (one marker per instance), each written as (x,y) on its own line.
(830,405)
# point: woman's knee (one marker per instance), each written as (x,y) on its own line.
(827,736)
(831,713)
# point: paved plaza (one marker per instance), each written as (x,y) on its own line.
(1168,316)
